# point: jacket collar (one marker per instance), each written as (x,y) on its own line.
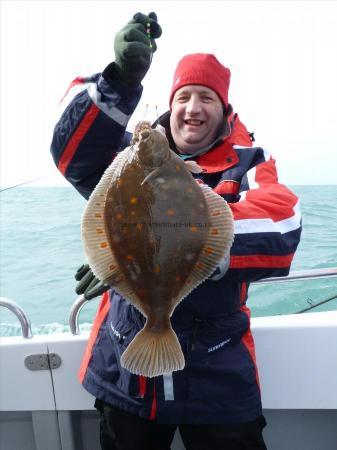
(221,155)
(220,158)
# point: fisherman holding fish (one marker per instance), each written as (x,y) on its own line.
(182,216)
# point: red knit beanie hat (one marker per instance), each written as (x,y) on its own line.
(203,69)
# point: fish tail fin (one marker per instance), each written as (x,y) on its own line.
(153,353)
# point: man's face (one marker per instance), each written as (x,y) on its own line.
(196,116)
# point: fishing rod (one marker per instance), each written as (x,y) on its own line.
(316,304)
(21,184)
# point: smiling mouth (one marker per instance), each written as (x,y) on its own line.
(193,122)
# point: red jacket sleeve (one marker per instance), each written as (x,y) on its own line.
(267,226)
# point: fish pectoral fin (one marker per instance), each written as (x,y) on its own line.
(193,167)
(151,175)
(153,353)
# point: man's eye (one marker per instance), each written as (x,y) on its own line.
(207,99)
(183,98)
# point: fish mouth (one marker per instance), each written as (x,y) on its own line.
(144,134)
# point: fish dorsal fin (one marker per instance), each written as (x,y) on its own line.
(218,242)
(94,235)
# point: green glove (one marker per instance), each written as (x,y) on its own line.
(88,284)
(134,48)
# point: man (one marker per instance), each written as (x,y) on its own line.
(216,399)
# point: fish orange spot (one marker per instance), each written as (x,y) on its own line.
(119,216)
(200,265)
(133,200)
(98,204)
(208,250)
(119,182)
(214,231)
(170,212)
(133,213)
(193,229)
(215,213)
(103,245)
(99,230)
(141,292)
(112,267)
(177,167)
(139,226)
(178,278)
(190,190)
(130,257)
(98,215)
(157,269)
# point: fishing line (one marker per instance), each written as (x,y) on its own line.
(21,184)
(316,304)
(156,106)
(146,109)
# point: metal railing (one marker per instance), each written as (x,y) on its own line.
(80,302)
(309,274)
(293,276)
(26,328)
(74,314)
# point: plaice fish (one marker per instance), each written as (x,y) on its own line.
(154,234)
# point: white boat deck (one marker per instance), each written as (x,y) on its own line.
(297,359)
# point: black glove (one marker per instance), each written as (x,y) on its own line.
(134,48)
(88,284)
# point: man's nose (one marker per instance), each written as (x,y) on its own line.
(193,106)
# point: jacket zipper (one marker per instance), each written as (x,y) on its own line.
(196,325)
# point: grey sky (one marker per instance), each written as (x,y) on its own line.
(282,56)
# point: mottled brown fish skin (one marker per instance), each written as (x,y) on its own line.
(154,234)
(144,218)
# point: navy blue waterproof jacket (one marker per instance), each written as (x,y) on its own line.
(220,381)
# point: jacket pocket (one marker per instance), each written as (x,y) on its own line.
(122,328)
(224,372)
(218,364)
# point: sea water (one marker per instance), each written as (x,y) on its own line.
(40,251)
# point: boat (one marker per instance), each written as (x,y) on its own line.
(43,406)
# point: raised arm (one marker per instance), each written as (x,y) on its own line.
(96,109)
